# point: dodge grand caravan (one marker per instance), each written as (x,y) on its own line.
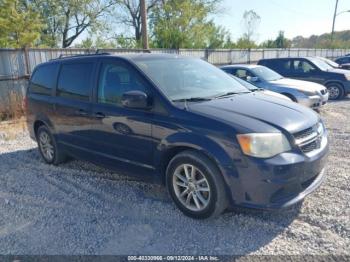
(181,122)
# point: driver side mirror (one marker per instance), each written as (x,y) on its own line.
(135,100)
(253,79)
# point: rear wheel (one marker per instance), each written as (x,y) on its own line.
(196,185)
(335,90)
(48,146)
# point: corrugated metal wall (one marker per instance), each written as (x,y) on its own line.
(13,61)
(17,64)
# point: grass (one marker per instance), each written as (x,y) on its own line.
(10,130)
(14,108)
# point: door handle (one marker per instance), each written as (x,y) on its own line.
(81,112)
(99,115)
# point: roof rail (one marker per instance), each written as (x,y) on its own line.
(64,56)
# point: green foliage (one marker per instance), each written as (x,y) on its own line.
(280,42)
(66,20)
(245,43)
(98,42)
(20,25)
(185,24)
(341,40)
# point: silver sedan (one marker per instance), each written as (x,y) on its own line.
(306,93)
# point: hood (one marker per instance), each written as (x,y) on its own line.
(339,71)
(256,112)
(278,95)
(298,84)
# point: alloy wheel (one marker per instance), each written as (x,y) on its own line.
(191,187)
(334,92)
(46,146)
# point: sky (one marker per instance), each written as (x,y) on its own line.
(294,17)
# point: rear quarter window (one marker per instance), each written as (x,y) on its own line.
(280,66)
(43,80)
(74,81)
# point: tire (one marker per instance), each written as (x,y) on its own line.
(48,147)
(205,190)
(336,91)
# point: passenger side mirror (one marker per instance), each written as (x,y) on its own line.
(252,79)
(136,100)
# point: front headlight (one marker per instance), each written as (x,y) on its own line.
(263,145)
(310,93)
(347,77)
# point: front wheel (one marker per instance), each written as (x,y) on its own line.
(335,90)
(196,185)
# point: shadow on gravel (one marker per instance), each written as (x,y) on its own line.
(344,99)
(78,208)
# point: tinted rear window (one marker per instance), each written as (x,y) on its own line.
(43,80)
(280,66)
(74,81)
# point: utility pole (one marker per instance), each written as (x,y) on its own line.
(334,17)
(144,24)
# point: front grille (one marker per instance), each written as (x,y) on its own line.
(324,91)
(304,133)
(309,147)
(309,139)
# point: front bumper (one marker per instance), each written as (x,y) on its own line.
(346,85)
(278,182)
(315,101)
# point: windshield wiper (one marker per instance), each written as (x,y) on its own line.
(257,89)
(230,94)
(192,99)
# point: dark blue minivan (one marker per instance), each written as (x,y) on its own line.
(181,122)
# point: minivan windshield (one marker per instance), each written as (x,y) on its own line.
(266,74)
(188,78)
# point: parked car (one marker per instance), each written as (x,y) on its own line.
(344,60)
(312,69)
(254,88)
(181,122)
(306,93)
(335,64)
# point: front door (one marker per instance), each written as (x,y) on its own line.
(122,137)
(305,70)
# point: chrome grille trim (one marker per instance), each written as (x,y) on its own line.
(310,139)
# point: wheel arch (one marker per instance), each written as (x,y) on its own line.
(176,144)
(40,121)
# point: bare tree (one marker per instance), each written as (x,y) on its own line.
(251,21)
(131,14)
(66,20)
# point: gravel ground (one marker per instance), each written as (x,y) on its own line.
(78,208)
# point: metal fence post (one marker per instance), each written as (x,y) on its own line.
(206,55)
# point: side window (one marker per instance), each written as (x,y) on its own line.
(303,67)
(116,79)
(74,81)
(281,66)
(242,74)
(227,70)
(43,80)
